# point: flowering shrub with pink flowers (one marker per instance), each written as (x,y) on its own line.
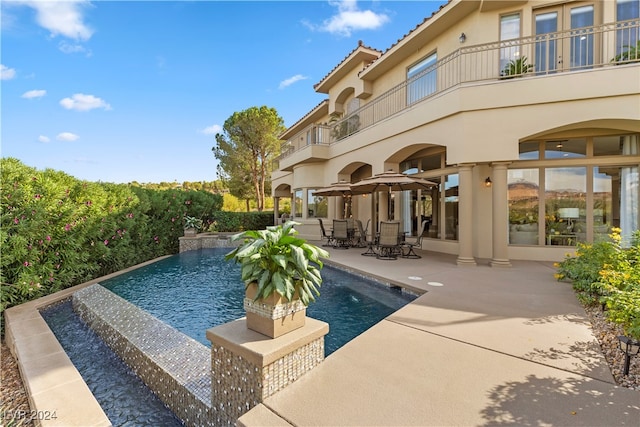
(57,231)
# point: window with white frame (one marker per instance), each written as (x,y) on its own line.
(422,79)
(509,30)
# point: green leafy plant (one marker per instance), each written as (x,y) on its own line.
(608,274)
(516,68)
(629,54)
(345,127)
(192,222)
(279,262)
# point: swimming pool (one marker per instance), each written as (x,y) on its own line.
(196,290)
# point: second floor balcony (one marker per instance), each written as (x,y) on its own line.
(577,50)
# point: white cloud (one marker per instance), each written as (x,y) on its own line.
(212,130)
(44,139)
(36,93)
(82,102)
(291,80)
(349,18)
(67,136)
(6,73)
(62,17)
(66,47)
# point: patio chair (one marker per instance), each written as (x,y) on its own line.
(327,238)
(341,238)
(410,245)
(362,240)
(389,240)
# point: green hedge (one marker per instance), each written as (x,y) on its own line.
(238,221)
(57,231)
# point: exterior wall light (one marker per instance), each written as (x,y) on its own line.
(487,182)
(462,38)
(630,348)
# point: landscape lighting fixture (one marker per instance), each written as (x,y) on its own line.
(630,348)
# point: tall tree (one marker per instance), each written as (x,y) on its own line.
(246,149)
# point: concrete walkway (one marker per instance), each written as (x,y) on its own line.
(482,347)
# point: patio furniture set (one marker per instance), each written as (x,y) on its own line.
(387,244)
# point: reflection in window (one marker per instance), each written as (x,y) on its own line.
(529,151)
(523,195)
(627,36)
(451,207)
(422,79)
(565,205)
(316,205)
(565,149)
(509,29)
(582,38)
(297,195)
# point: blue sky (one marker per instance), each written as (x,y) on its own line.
(121,91)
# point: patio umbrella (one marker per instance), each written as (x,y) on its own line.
(342,188)
(390,181)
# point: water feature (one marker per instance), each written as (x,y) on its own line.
(196,290)
(191,292)
(122,395)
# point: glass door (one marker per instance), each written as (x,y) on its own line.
(564,37)
(547,56)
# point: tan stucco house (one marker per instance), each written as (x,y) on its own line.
(526,114)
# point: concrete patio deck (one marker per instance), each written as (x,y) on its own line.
(482,347)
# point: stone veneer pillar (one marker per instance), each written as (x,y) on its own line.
(247,367)
(465,215)
(500,223)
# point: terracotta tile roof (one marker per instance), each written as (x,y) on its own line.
(314,109)
(360,44)
(408,34)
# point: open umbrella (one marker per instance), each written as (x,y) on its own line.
(390,181)
(342,188)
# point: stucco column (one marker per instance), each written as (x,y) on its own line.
(465,215)
(276,208)
(500,223)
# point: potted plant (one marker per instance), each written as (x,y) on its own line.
(281,273)
(192,225)
(516,68)
(630,54)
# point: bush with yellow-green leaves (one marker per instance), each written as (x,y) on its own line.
(607,273)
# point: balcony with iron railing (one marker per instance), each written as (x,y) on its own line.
(586,48)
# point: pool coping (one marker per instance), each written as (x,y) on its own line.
(57,393)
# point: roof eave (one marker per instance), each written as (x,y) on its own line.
(318,112)
(360,55)
(427,30)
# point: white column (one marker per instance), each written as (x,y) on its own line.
(465,215)
(500,223)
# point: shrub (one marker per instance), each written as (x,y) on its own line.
(57,231)
(608,274)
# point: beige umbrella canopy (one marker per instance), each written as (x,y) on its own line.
(390,181)
(342,188)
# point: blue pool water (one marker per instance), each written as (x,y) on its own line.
(124,398)
(196,290)
(192,292)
